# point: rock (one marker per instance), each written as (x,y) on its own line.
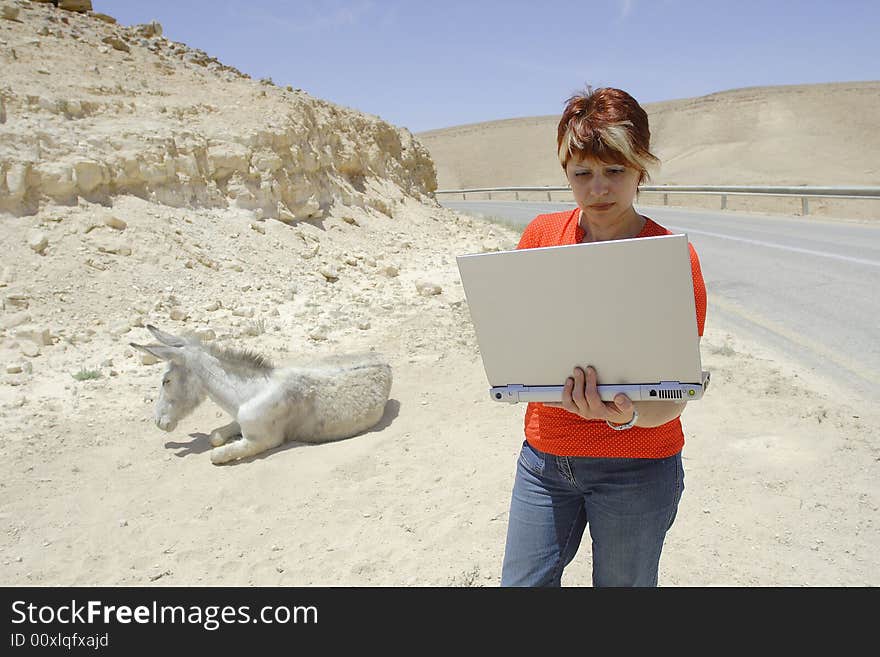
(148,30)
(115,222)
(311,252)
(9,12)
(79,6)
(116,43)
(16,301)
(148,359)
(310,208)
(227,158)
(73,109)
(89,175)
(39,336)
(113,248)
(17,180)
(30,349)
(205,335)
(426,289)
(55,179)
(38,241)
(120,328)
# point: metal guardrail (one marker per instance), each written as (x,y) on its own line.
(804,192)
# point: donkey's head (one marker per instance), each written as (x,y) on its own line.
(181,390)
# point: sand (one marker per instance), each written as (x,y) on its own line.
(780,469)
(780,485)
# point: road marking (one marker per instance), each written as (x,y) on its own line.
(817,348)
(771,245)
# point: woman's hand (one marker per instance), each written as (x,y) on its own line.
(581,397)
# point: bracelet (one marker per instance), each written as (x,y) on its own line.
(628,425)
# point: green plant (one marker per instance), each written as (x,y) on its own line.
(84,375)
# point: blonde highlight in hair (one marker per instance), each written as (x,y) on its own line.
(608,125)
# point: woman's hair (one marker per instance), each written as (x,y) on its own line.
(607,125)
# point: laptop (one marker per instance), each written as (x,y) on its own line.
(626,307)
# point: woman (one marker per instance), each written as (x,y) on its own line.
(614,467)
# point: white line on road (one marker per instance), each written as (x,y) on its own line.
(771,245)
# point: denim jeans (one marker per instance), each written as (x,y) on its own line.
(628,504)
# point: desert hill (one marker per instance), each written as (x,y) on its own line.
(817,134)
(94,109)
(145,182)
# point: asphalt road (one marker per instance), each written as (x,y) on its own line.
(807,287)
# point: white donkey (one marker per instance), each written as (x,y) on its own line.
(336,399)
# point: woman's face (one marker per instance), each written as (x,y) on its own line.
(602,190)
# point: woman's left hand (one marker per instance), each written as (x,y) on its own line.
(581,397)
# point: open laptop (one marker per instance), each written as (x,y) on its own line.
(626,307)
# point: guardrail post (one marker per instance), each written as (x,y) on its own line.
(516,194)
(548,196)
(805,206)
(490,195)
(724,201)
(463,196)
(666,199)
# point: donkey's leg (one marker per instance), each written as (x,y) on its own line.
(237,449)
(221,434)
(262,427)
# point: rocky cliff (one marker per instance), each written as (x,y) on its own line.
(93,109)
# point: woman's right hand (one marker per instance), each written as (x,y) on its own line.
(581,397)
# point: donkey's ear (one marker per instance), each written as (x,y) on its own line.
(160,351)
(166,338)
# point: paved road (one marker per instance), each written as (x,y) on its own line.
(805,286)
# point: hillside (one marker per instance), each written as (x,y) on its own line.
(819,134)
(94,109)
(143,182)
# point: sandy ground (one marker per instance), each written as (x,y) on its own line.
(781,484)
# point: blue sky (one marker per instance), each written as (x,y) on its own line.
(426,65)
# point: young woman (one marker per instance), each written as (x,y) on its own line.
(614,467)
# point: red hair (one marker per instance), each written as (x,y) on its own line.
(607,125)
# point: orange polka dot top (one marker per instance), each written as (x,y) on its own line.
(555,430)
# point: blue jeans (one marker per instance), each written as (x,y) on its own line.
(629,504)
